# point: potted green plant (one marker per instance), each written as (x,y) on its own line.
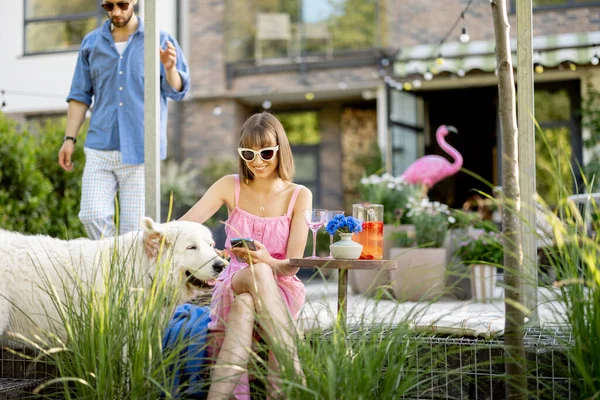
(421,270)
(483,251)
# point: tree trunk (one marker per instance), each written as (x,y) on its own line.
(513,249)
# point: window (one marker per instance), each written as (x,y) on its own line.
(405,128)
(558,141)
(304,134)
(305,27)
(58,25)
(550,4)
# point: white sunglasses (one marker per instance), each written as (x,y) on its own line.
(265,154)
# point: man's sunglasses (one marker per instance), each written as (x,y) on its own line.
(123,5)
(266,154)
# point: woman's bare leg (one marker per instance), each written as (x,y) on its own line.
(273,315)
(234,354)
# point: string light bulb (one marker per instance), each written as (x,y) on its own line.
(464,36)
(3,99)
(572,66)
(428,76)
(595,60)
(538,68)
(439,60)
(217,111)
(266,105)
(309,96)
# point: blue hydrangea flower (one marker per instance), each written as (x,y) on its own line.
(343,224)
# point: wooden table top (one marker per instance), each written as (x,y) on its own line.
(342,264)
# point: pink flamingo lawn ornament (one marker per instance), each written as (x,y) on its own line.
(431,169)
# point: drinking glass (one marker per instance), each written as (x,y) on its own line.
(371,236)
(315,219)
(331,215)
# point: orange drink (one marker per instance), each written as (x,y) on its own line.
(371,237)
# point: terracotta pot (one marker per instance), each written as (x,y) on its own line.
(420,275)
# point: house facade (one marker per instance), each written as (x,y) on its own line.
(386,73)
(358,84)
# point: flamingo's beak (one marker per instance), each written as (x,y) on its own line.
(452,129)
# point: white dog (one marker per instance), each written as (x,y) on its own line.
(33,266)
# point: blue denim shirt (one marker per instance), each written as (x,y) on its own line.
(116,84)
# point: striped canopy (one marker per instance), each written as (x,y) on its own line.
(459,58)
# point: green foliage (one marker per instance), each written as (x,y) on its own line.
(431,221)
(481,247)
(114,330)
(402,239)
(353,24)
(590,113)
(36,195)
(392,192)
(465,220)
(301,127)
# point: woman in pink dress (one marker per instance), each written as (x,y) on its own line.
(265,205)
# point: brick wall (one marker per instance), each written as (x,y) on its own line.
(413,22)
(207,136)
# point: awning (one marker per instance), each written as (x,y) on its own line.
(460,58)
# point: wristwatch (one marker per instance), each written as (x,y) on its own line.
(70,138)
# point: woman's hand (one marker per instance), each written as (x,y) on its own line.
(261,254)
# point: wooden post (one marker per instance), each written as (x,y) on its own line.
(513,250)
(151,111)
(527,183)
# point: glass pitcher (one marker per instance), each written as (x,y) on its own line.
(371,237)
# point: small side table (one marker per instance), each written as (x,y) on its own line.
(342,266)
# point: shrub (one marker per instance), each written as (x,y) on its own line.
(36,195)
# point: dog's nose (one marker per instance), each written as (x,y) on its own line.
(218,265)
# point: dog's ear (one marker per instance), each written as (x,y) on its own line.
(152,244)
(153,237)
(149,226)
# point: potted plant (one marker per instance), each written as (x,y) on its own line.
(483,251)
(421,270)
(393,192)
(345,248)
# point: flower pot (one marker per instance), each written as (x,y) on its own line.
(458,280)
(389,230)
(370,282)
(420,275)
(346,248)
(483,282)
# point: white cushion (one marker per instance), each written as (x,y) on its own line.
(449,322)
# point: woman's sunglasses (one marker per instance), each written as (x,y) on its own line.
(266,154)
(123,5)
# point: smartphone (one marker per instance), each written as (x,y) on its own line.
(244,243)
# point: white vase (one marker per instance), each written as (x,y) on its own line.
(346,248)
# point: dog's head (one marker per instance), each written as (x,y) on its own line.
(189,249)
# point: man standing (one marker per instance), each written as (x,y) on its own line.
(110,70)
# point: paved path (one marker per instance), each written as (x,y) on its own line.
(321,305)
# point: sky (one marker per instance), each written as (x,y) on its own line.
(316,10)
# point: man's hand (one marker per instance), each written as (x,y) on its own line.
(64,155)
(168,56)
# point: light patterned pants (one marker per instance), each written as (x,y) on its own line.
(104,175)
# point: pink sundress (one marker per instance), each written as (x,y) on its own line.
(273,232)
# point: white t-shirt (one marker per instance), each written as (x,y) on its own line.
(120,46)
